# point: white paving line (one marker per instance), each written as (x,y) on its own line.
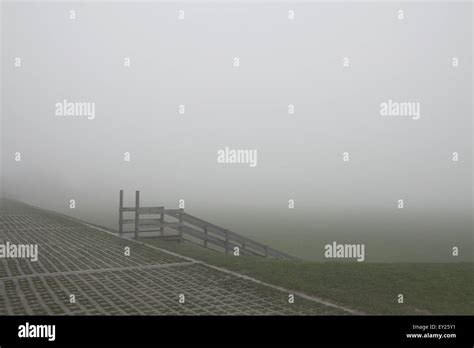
(35,228)
(280,288)
(98,270)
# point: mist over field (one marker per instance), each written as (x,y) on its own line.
(300,156)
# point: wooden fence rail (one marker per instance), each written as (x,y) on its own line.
(188,225)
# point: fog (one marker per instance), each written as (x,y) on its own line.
(282,62)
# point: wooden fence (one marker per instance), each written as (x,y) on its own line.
(189,228)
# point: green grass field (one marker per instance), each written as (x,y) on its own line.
(373,288)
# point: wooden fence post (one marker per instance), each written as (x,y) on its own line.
(205,232)
(137,207)
(226,241)
(162,221)
(121,213)
(180,216)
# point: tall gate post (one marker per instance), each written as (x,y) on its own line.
(137,214)
(180,216)
(121,213)
(205,240)
(226,241)
(162,222)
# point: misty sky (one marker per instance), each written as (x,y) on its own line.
(282,62)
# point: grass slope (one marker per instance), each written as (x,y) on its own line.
(428,288)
